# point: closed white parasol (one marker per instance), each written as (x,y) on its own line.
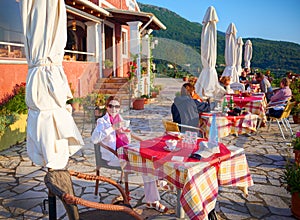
(52,135)
(239,55)
(207,84)
(230,54)
(248,54)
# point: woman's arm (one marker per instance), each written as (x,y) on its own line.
(102,130)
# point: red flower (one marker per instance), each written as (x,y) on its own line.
(132,69)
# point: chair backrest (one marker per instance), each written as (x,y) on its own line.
(98,156)
(170,126)
(237,86)
(287,110)
(58,183)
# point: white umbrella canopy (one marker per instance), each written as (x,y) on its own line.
(248,54)
(207,84)
(52,135)
(239,55)
(230,53)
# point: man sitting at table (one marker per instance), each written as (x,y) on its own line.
(279,98)
(264,85)
(185,110)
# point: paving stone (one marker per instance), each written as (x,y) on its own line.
(25,186)
(23,171)
(277,205)
(269,190)
(266,154)
(232,214)
(257,210)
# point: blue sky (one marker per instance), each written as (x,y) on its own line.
(266,19)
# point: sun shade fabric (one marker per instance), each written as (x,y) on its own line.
(230,54)
(248,53)
(52,135)
(207,84)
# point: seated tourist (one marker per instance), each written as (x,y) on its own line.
(279,98)
(225,83)
(243,78)
(191,89)
(185,110)
(264,85)
(109,131)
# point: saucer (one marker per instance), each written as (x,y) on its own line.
(167,149)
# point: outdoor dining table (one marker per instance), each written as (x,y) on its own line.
(256,104)
(197,181)
(226,125)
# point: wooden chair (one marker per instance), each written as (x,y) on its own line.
(284,118)
(59,183)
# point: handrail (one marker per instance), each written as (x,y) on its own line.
(11,44)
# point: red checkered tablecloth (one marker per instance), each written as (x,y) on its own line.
(199,180)
(256,104)
(228,124)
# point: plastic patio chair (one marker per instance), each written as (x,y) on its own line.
(284,118)
(59,183)
(170,126)
(237,86)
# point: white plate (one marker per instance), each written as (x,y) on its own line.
(167,149)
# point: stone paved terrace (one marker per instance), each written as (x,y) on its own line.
(22,189)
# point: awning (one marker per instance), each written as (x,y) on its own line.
(87,7)
(124,16)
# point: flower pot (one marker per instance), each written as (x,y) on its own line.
(75,106)
(138,104)
(295,206)
(297,156)
(153,94)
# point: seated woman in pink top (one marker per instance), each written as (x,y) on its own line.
(281,95)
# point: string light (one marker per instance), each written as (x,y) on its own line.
(74,25)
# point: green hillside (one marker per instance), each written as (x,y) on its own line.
(181,45)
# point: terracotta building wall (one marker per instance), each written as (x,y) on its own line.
(82,76)
(10,75)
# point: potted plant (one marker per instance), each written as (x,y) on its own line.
(291,181)
(295,87)
(138,103)
(108,65)
(146,98)
(95,102)
(100,108)
(75,103)
(296,147)
(155,90)
(185,78)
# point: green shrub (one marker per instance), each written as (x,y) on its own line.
(11,106)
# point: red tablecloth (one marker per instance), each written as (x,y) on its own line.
(243,101)
(198,180)
(154,150)
(228,124)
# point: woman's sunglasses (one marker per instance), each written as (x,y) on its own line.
(113,106)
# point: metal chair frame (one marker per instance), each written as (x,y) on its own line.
(284,118)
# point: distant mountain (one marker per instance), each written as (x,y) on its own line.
(277,56)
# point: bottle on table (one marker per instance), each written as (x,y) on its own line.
(231,103)
(224,105)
